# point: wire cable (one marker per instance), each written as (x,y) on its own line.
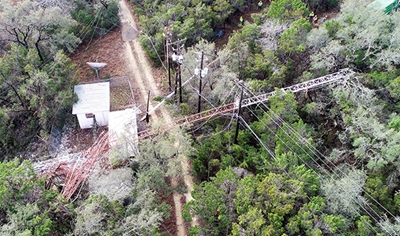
(315,152)
(208,119)
(294,153)
(298,136)
(312,168)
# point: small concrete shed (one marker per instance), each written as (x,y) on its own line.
(93,105)
(123,128)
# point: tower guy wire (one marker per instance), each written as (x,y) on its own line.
(281,124)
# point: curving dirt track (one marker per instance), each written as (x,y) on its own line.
(143,80)
(124,56)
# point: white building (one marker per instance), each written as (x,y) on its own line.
(123,130)
(93,105)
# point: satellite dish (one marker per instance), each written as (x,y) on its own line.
(96,66)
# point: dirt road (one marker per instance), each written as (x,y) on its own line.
(144,80)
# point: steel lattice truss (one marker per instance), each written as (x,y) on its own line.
(75,170)
(93,155)
(308,85)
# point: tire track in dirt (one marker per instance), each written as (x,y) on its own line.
(143,79)
(140,67)
(140,77)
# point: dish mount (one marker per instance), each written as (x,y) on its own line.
(96,66)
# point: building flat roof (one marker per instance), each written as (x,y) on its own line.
(123,127)
(92,98)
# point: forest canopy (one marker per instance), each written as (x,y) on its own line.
(319,162)
(336,145)
(37,77)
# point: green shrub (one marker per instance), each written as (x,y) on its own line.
(94,21)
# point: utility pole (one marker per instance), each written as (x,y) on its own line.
(180,62)
(169,75)
(176,83)
(180,82)
(167,43)
(202,73)
(178,58)
(147,109)
(200,82)
(239,113)
(169,68)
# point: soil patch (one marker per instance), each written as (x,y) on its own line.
(77,139)
(104,49)
(168,226)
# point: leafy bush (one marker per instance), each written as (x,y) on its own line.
(193,20)
(39,92)
(287,9)
(328,5)
(95,20)
(27,206)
